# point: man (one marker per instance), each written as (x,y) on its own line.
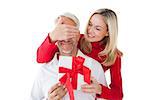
(46,86)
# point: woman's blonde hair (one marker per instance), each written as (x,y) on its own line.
(110,50)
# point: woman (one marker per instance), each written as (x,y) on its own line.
(98,42)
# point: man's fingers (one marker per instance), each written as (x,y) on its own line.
(86,86)
(62,92)
(58,93)
(57,97)
(60,88)
(89,90)
(93,80)
(54,87)
(52,95)
(55,90)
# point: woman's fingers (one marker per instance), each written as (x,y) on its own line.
(64,32)
(59,21)
(70,26)
(71,31)
(69,35)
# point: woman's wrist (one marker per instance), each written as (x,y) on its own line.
(51,37)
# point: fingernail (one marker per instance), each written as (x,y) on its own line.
(59,84)
(64,86)
(65,89)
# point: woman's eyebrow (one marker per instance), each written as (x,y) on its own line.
(98,26)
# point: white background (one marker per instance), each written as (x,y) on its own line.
(24,24)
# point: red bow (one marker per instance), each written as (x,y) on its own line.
(77,67)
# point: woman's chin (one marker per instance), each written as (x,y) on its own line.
(90,39)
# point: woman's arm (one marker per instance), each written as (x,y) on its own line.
(46,51)
(115,91)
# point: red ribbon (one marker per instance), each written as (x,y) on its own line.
(77,67)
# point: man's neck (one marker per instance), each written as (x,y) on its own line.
(73,53)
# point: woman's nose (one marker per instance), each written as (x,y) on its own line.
(91,32)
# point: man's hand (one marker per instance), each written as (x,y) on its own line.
(57,92)
(94,87)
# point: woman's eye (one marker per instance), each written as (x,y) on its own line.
(90,24)
(98,29)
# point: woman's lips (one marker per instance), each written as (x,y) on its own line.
(90,35)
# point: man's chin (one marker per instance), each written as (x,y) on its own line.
(67,48)
(67,52)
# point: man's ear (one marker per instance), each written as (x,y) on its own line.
(79,37)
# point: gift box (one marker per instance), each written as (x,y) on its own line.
(74,69)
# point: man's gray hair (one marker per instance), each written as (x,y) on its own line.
(72,17)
